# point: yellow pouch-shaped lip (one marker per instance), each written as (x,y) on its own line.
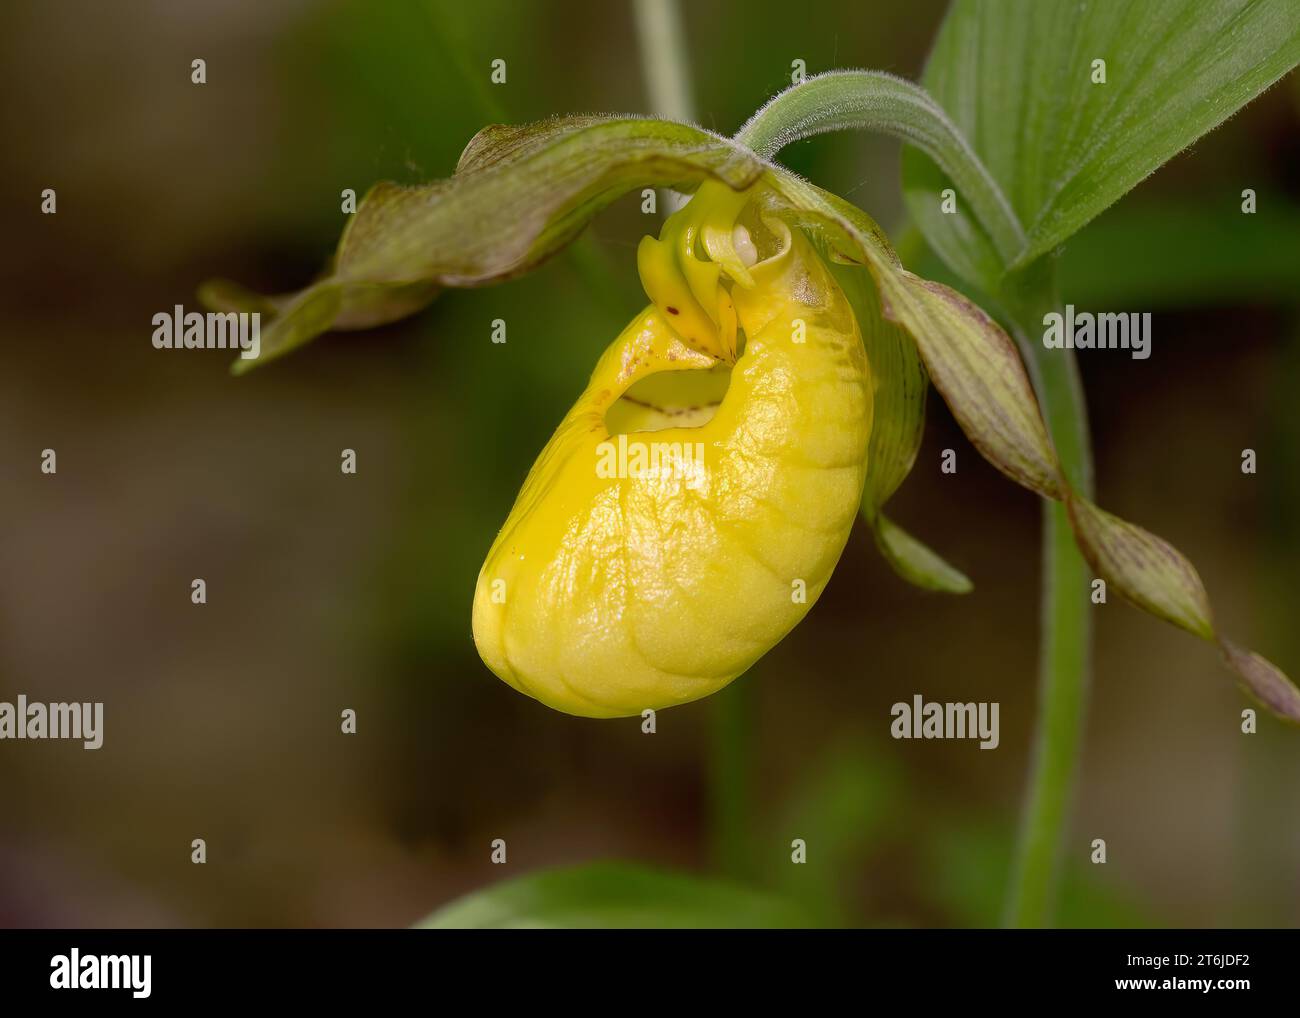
(691,506)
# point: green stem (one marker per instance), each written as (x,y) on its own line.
(1064,661)
(729,789)
(662,45)
(663,58)
(663,61)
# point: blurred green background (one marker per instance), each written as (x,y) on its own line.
(329,592)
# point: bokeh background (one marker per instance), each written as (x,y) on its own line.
(328,592)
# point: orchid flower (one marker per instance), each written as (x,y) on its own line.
(783,341)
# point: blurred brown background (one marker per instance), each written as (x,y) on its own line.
(328,592)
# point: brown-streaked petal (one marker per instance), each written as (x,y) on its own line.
(519,195)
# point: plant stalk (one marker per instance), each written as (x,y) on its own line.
(731,751)
(1065,655)
(662,44)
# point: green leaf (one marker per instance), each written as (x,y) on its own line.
(614,895)
(916,563)
(519,195)
(880,102)
(1016,77)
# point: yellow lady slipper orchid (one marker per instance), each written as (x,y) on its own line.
(691,506)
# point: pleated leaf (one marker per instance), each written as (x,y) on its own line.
(1020,79)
